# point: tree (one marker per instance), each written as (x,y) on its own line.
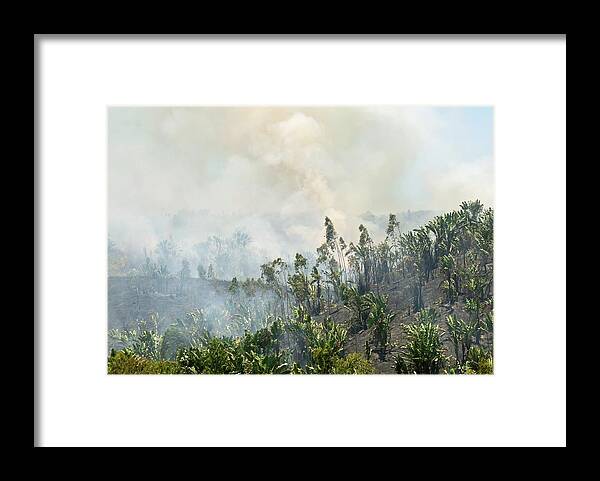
(274,274)
(166,252)
(301,285)
(461,334)
(356,303)
(118,263)
(379,320)
(363,253)
(334,256)
(449,283)
(185,272)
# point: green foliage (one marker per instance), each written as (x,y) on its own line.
(362,257)
(184,332)
(317,345)
(253,353)
(215,356)
(479,361)
(487,326)
(358,306)
(450,282)
(325,344)
(233,286)
(379,320)
(145,341)
(306,288)
(462,335)
(427,315)
(423,353)
(275,276)
(352,364)
(229,356)
(124,362)
(173,339)
(295,345)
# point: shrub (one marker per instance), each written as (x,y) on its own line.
(352,364)
(462,336)
(428,314)
(144,341)
(123,362)
(424,352)
(254,363)
(479,361)
(325,343)
(299,345)
(254,353)
(314,345)
(214,356)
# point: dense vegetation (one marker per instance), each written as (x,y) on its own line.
(421,300)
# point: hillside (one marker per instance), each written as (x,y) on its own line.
(400,300)
(418,302)
(134,298)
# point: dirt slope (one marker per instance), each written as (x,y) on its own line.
(400,301)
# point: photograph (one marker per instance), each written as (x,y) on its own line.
(300,240)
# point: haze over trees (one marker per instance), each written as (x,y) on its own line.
(418,301)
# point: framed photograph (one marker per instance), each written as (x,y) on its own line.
(242,240)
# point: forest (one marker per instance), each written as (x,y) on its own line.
(418,302)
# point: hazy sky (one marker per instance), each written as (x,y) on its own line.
(276,172)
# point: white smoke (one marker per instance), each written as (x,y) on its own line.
(275,173)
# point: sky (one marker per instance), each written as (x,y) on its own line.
(276,172)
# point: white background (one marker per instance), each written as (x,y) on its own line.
(523,404)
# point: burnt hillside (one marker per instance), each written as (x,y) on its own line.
(134,298)
(400,300)
(417,302)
